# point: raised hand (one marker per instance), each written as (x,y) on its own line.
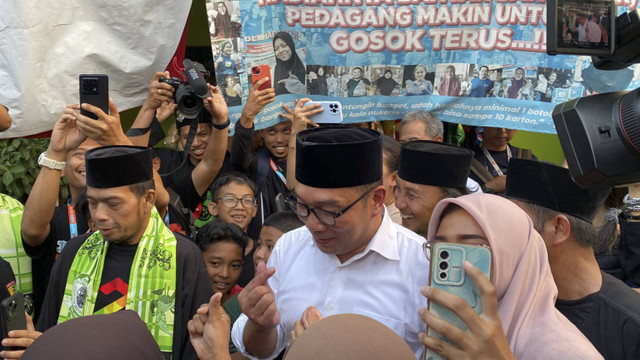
(299,115)
(216,105)
(106,130)
(159,92)
(66,135)
(258,301)
(209,331)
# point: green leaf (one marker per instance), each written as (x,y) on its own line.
(18,169)
(7,178)
(15,143)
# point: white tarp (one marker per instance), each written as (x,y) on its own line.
(44,45)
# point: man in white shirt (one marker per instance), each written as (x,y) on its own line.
(349,258)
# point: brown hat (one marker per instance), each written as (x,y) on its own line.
(349,337)
(120,335)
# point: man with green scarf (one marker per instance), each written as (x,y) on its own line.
(132,261)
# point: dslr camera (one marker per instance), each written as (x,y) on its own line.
(599,134)
(189,94)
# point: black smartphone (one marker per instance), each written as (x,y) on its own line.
(12,315)
(94,90)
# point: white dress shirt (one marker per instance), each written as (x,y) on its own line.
(383,282)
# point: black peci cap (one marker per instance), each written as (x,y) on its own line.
(114,166)
(434,163)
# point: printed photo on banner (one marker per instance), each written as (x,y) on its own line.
(224,19)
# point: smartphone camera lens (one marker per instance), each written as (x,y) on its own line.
(443,265)
(442,275)
(255,70)
(444,255)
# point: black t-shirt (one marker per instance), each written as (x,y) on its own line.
(115,277)
(248,162)
(609,318)
(630,249)
(193,288)
(180,180)
(182,183)
(247,267)
(43,256)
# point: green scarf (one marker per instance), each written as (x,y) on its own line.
(152,282)
(11,248)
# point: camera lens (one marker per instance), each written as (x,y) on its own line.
(442,275)
(444,255)
(255,70)
(443,265)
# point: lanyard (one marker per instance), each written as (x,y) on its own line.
(493,162)
(73,221)
(278,172)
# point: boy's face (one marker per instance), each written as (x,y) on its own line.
(266,241)
(239,214)
(224,265)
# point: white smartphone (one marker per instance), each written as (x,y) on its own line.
(332,113)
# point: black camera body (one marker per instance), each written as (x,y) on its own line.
(600,134)
(188,95)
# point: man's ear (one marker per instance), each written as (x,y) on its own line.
(213,208)
(149,199)
(377,195)
(561,229)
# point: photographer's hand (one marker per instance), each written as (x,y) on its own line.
(158,94)
(216,105)
(20,339)
(107,130)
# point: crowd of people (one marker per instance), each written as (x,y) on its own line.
(277,231)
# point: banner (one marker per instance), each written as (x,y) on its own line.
(475,62)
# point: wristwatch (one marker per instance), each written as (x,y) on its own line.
(43,160)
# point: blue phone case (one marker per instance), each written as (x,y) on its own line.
(447,274)
(331,114)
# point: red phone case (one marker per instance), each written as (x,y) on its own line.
(259,72)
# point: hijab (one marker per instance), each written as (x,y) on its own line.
(522,277)
(293,65)
(223,21)
(516,85)
(385,85)
(449,86)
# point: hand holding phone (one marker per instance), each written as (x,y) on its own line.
(12,315)
(447,274)
(94,90)
(260,72)
(331,114)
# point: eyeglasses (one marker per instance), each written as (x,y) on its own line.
(231,201)
(326,217)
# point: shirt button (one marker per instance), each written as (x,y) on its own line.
(330,306)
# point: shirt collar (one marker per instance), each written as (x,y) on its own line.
(383,242)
